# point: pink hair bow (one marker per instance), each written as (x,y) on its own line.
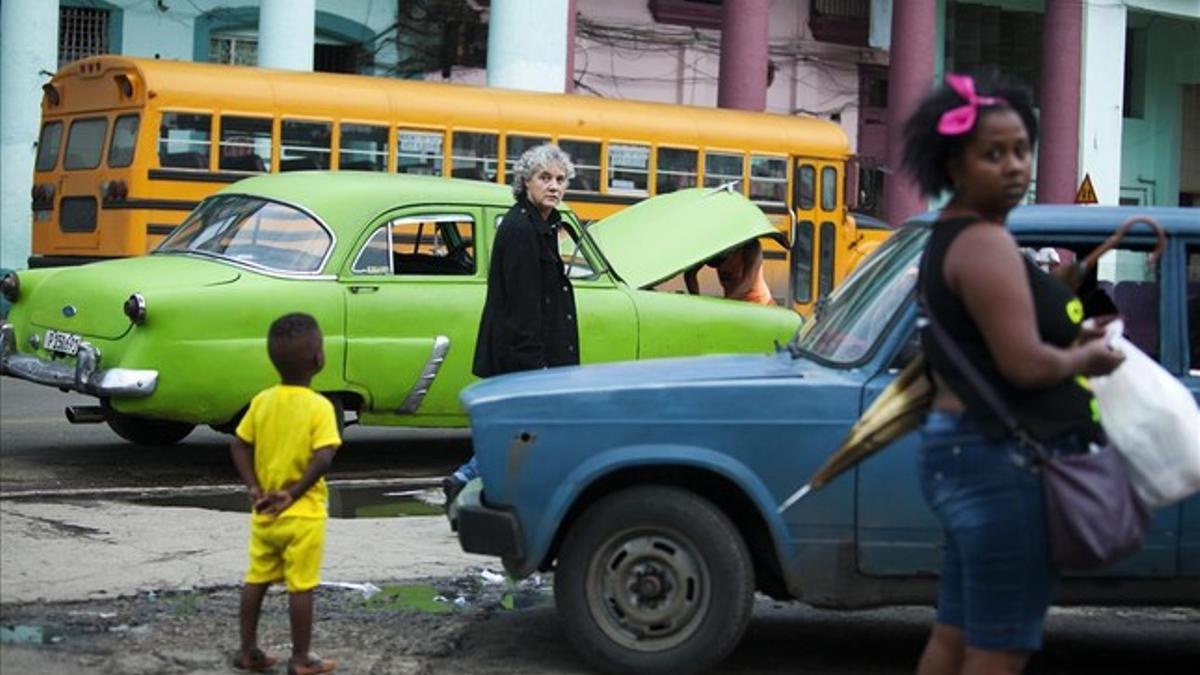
(960,120)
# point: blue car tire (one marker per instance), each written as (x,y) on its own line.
(653,580)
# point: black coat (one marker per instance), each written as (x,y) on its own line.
(529,319)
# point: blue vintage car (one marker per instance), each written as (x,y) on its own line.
(651,488)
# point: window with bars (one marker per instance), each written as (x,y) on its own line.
(82,32)
(842,21)
(237,50)
(986,38)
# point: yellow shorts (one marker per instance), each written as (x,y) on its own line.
(287,549)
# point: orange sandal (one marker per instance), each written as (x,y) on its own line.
(313,665)
(256,661)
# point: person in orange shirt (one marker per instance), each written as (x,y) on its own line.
(282,449)
(740,272)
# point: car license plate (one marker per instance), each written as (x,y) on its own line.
(63,343)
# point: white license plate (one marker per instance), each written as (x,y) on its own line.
(63,343)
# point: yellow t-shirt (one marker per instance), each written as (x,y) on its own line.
(286,424)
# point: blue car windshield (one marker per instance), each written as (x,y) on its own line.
(252,231)
(857,312)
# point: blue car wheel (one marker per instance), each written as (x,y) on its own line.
(654,579)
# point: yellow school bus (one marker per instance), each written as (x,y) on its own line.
(128,146)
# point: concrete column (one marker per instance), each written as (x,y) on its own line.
(287,31)
(527,45)
(910,76)
(1058,152)
(28,46)
(744,41)
(1103,97)
(570,83)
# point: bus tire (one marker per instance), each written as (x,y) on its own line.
(654,580)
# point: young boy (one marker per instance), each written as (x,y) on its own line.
(282,449)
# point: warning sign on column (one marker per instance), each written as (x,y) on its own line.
(1086,193)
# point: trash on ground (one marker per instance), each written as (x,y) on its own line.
(367,588)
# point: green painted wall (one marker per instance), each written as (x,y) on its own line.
(1150,145)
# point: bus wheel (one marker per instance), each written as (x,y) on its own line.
(654,579)
(145,431)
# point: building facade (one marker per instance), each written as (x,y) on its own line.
(1138,73)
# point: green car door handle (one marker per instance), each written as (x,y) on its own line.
(363,289)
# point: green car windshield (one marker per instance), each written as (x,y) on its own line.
(857,312)
(255,232)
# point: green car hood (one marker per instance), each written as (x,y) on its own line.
(95,294)
(660,237)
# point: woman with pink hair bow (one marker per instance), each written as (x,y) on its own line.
(1020,329)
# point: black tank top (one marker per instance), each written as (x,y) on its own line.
(1064,409)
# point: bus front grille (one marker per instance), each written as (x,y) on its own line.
(77,214)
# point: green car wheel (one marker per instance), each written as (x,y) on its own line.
(145,431)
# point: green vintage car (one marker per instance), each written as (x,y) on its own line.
(393,267)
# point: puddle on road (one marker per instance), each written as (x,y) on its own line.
(29,634)
(344,502)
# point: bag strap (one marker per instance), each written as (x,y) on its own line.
(974,378)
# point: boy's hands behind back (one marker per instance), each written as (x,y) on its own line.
(273,503)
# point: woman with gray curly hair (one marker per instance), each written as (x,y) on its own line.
(529,319)
(535,160)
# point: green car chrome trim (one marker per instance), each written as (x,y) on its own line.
(83,377)
(441,345)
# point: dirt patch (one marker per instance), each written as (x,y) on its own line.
(403,627)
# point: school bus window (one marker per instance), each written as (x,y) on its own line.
(802,250)
(85,142)
(245,143)
(305,145)
(768,179)
(827,247)
(805,187)
(48,143)
(829,188)
(184,141)
(363,147)
(474,155)
(676,170)
(124,135)
(419,152)
(515,146)
(628,168)
(721,168)
(586,157)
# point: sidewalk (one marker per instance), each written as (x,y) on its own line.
(87,550)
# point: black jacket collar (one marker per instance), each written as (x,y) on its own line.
(543,225)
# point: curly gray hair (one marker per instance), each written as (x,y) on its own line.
(535,159)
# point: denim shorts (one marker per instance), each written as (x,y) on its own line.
(997,575)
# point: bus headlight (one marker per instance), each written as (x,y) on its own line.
(135,308)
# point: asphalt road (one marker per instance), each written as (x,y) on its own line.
(40,450)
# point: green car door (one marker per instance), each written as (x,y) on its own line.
(414,291)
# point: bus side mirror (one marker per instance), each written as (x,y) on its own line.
(51,93)
(852,168)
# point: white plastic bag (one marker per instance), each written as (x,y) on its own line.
(1154,422)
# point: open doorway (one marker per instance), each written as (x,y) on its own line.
(1189,153)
